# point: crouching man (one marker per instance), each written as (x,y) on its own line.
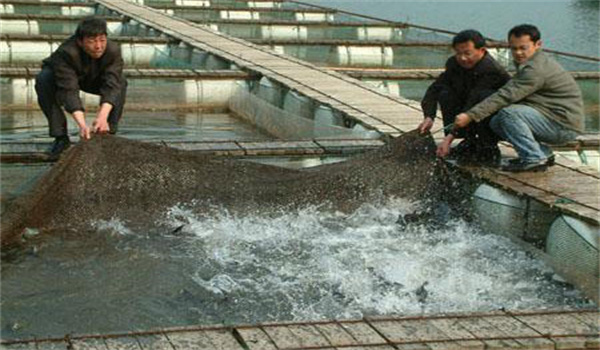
(470,76)
(89,62)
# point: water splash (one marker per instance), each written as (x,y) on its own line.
(113,226)
(309,264)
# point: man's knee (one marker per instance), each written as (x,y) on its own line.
(498,120)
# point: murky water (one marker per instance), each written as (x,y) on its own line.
(304,264)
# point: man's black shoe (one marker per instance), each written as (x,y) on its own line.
(519,165)
(465,149)
(549,162)
(473,153)
(60,144)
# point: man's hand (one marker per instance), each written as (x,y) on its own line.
(84,131)
(462,120)
(444,147)
(425,125)
(100,125)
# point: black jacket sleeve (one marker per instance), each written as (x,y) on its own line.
(430,100)
(67,84)
(491,78)
(112,75)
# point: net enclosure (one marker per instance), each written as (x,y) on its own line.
(111,177)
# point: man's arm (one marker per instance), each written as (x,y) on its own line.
(67,85)
(110,89)
(430,100)
(66,82)
(523,84)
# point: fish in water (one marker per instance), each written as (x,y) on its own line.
(422,293)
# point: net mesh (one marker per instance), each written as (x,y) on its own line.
(111,177)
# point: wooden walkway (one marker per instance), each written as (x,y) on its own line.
(496,330)
(368,105)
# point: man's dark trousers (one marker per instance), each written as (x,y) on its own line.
(45,87)
(451,105)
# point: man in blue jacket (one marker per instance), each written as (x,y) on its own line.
(89,62)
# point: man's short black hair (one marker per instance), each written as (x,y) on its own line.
(469,35)
(90,26)
(525,29)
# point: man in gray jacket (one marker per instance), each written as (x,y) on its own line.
(541,103)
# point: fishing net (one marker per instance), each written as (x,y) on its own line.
(110,177)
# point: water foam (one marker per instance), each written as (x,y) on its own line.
(309,264)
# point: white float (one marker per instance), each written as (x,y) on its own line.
(314,17)
(203,3)
(77,10)
(20,92)
(209,92)
(141,54)
(573,246)
(238,14)
(263,4)
(574,242)
(378,33)
(20,26)
(298,105)
(326,116)
(503,213)
(283,32)
(25,52)
(271,92)
(7,8)
(364,56)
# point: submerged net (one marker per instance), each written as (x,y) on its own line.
(111,177)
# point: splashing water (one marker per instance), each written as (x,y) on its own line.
(309,264)
(297,265)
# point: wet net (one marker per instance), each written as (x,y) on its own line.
(111,177)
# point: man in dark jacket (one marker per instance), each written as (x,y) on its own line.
(470,76)
(88,62)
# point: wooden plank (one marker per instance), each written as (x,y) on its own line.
(452,328)
(483,330)
(590,318)
(554,325)
(336,334)
(89,344)
(222,340)
(256,339)
(155,342)
(517,330)
(422,331)
(191,340)
(363,333)
(309,336)
(283,337)
(122,343)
